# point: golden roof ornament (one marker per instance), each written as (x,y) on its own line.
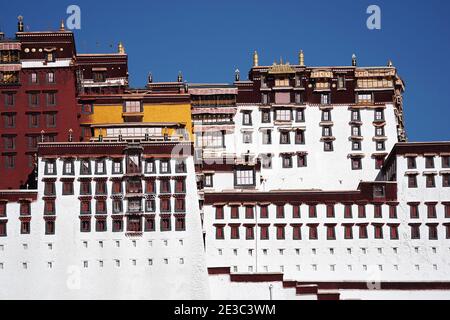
(121,48)
(62,27)
(354,61)
(255,59)
(281,68)
(20,24)
(301,59)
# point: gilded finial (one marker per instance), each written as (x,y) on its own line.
(255,59)
(121,48)
(180,77)
(354,61)
(237,75)
(20,24)
(390,64)
(150,78)
(61,26)
(301,58)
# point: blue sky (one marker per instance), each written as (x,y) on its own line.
(208,40)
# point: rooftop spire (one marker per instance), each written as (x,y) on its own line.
(121,48)
(61,26)
(354,61)
(301,58)
(20,24)
(255,59)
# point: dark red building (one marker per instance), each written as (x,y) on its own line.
(38,99)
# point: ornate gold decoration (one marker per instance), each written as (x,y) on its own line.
(121,48)
(301,58)
(255,59)
(281,68)
(62,27)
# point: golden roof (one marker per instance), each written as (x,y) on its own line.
(281,68)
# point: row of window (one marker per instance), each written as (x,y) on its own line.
(9,120)
(429,162)
(133,224)
(133,165)
(330,231)
(430,180)
(299,116)
(132,186)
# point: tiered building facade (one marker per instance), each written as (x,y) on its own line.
(297,182)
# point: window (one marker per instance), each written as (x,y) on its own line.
(414,211)
(100,188)
(133,163)
(3,228)
(379,163)
(9,99)
(117,167)
(150,205)
(331,232)
(429,162)
(312,211)
(68,168)
(134,224)
(378,211)
(165,224)
(326,115)
(328,146)
(100,225)
(280,211)
(379,131)
(432,232)
(445,162)
(265,116)
(33,99)
(264,232)
(99,76)
(117,206)
(431,210)
(282,82)
(330,211)
(67,188)
(50,56)
(85,207)
(341,82)
(165,186)
(325,98)
(327,132)
(302,161)
(379,115)
(180,186)
(348,232)
(134,205)
(9,120)
(363,231)
(234,232)
(100,167)
(33,120)
(264,212)
(51,120)
(244,177)
(219,213)
(247,118)
(431,181)
(378,230)
(85,188)
(34,78)
(411,161)
(249,212)
(180,166)
(234,214)
(285,137)
(356,164)
(296,232)
(247,137)
(180,224)
(356,145)
(381,146)
(117,225)
(280,232)
(296,211)
(85,167)
(286,161)
(445,180)
(165,205)
(211,140)
(348,214)
(412,181)
(85,225)
(133,106)
(219,233)
(415,231)
(267,137)
(313,232)
(164,166)
(150,166)
(393,212)
(51,99)
(356,131)
(265,99)
(299,137)
(300,115)
(49,227)
(180,205)
(50,189)
(149,225)
(50,77)
(356,115)
(249,233)
(9,143)
(364,98)
(283,115)
(100,207)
